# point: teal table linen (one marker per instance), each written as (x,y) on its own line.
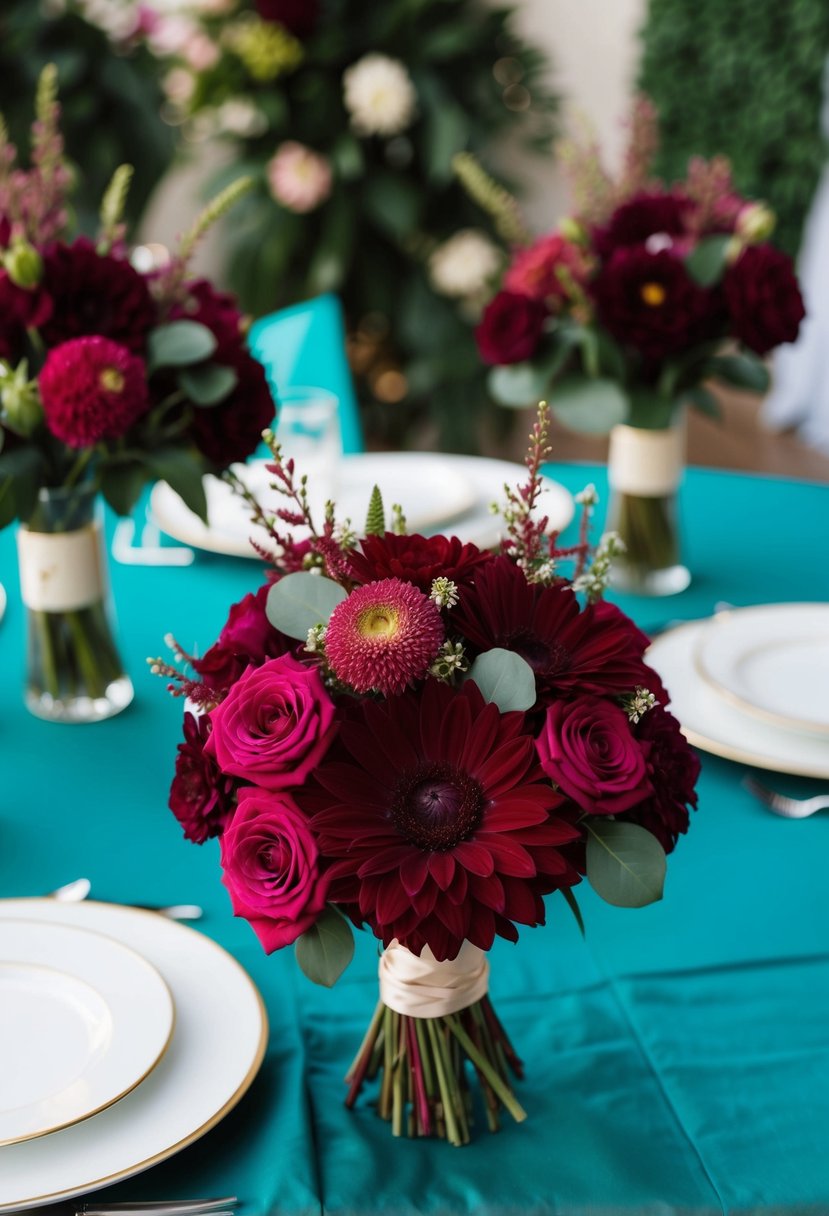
(678,1056)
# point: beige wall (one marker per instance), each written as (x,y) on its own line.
(594,51)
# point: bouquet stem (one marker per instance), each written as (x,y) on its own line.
(424,1063)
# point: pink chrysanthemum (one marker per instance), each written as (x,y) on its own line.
(92,389)
(383,636)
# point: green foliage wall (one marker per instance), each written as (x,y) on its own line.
(743,78)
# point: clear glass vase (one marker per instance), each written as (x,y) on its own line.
(644,473)
(74,672)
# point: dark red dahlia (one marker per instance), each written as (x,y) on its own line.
(247,640)
(570,649)
(510,329)
(94,293)
(91,389)
(201,796)
(298,16)
(218,310)
(673,768)
(763,298)
(416,559)
(647,214)
(650,302)
(435,822)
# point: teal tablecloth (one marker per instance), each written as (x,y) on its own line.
(679,1059)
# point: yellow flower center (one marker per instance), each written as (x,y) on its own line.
(378,622)
(653,294)
(111,380)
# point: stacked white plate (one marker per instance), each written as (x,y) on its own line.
(752,685)
(107,1018)
(449,494)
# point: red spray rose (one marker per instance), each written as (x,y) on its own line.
(201,796)
(247,639)
(510,328)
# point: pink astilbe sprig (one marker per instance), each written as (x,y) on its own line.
(642,145)
(710,186)
(34,199)
(595,191)
(196,690)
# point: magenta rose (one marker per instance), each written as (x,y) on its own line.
(587,748)
(510,328)
(271,867)
(247,639)
(201,796)
(274,726)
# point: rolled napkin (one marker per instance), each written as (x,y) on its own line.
(421,987)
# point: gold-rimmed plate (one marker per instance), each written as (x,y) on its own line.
(771,661)
(83,1020)
(215,1052)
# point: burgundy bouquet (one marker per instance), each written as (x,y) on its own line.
(111,375)
(414,735)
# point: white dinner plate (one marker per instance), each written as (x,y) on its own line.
(711,723)
(3,598)
(83,1020)
(448,494)
(215,1052)
(771,661)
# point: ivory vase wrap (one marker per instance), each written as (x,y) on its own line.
(74,672)
(421,987)
(644,471)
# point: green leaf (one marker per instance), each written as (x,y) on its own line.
(8,506)
(178,344)
(740,370)
(591,407)
(505,679)
(21,475)
(183,473)
(650,410)
(706,262)
(704,400)
(573,905)
(527,383)
(300,601)
(391,203)
(207,384)
(325,950)
(625,863)
(376,514)
(122,483)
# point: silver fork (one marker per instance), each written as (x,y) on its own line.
(789,808)
(75,892)
(172,1207)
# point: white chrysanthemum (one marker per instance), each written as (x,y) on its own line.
(379,95)
(464,264)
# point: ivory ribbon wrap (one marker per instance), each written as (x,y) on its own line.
(421,987)
(647,463)
(60,571)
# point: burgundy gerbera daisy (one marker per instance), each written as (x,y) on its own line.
(436,822)
(571,649)
(416,559)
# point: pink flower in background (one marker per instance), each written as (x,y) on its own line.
(271,867)
(92,389)
(537,271)
(200,52)
(201,796)
(275,725)
(298,178)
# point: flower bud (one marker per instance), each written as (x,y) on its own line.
(755,223)
(20,401)
(23,264)
(572,230)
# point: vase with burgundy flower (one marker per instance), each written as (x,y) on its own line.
(74,671)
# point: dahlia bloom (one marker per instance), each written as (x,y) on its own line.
(673,768)
(97,294)
(464,264)
(379,95)
(298,178)
(383,637)
(416,559)
(763,298)
(435,822)
(201,796)
(91,389)
(647,214)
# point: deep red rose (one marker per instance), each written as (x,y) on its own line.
(650,302)
(588,749)
(247,640)
(649,213)
(298,16)
(271,867)
(201,796)
(510,328)
(91,389)
(673,768)
(95,293)
(763,298)
(416,559)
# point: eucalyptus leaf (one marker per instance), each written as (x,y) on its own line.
(122,483)
(625,863)
(504,678)
(741,371)
(650,410)
(592,407)
(518,384)
(207,384)
(302,600)
(702,399)
(325,950)
(706,262)
(183,473)
(178,344)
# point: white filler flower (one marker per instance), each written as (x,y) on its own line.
(463,265)
(379,95)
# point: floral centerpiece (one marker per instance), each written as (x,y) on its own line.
(110,377)
(424,738)
(626,312)
(348,116)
